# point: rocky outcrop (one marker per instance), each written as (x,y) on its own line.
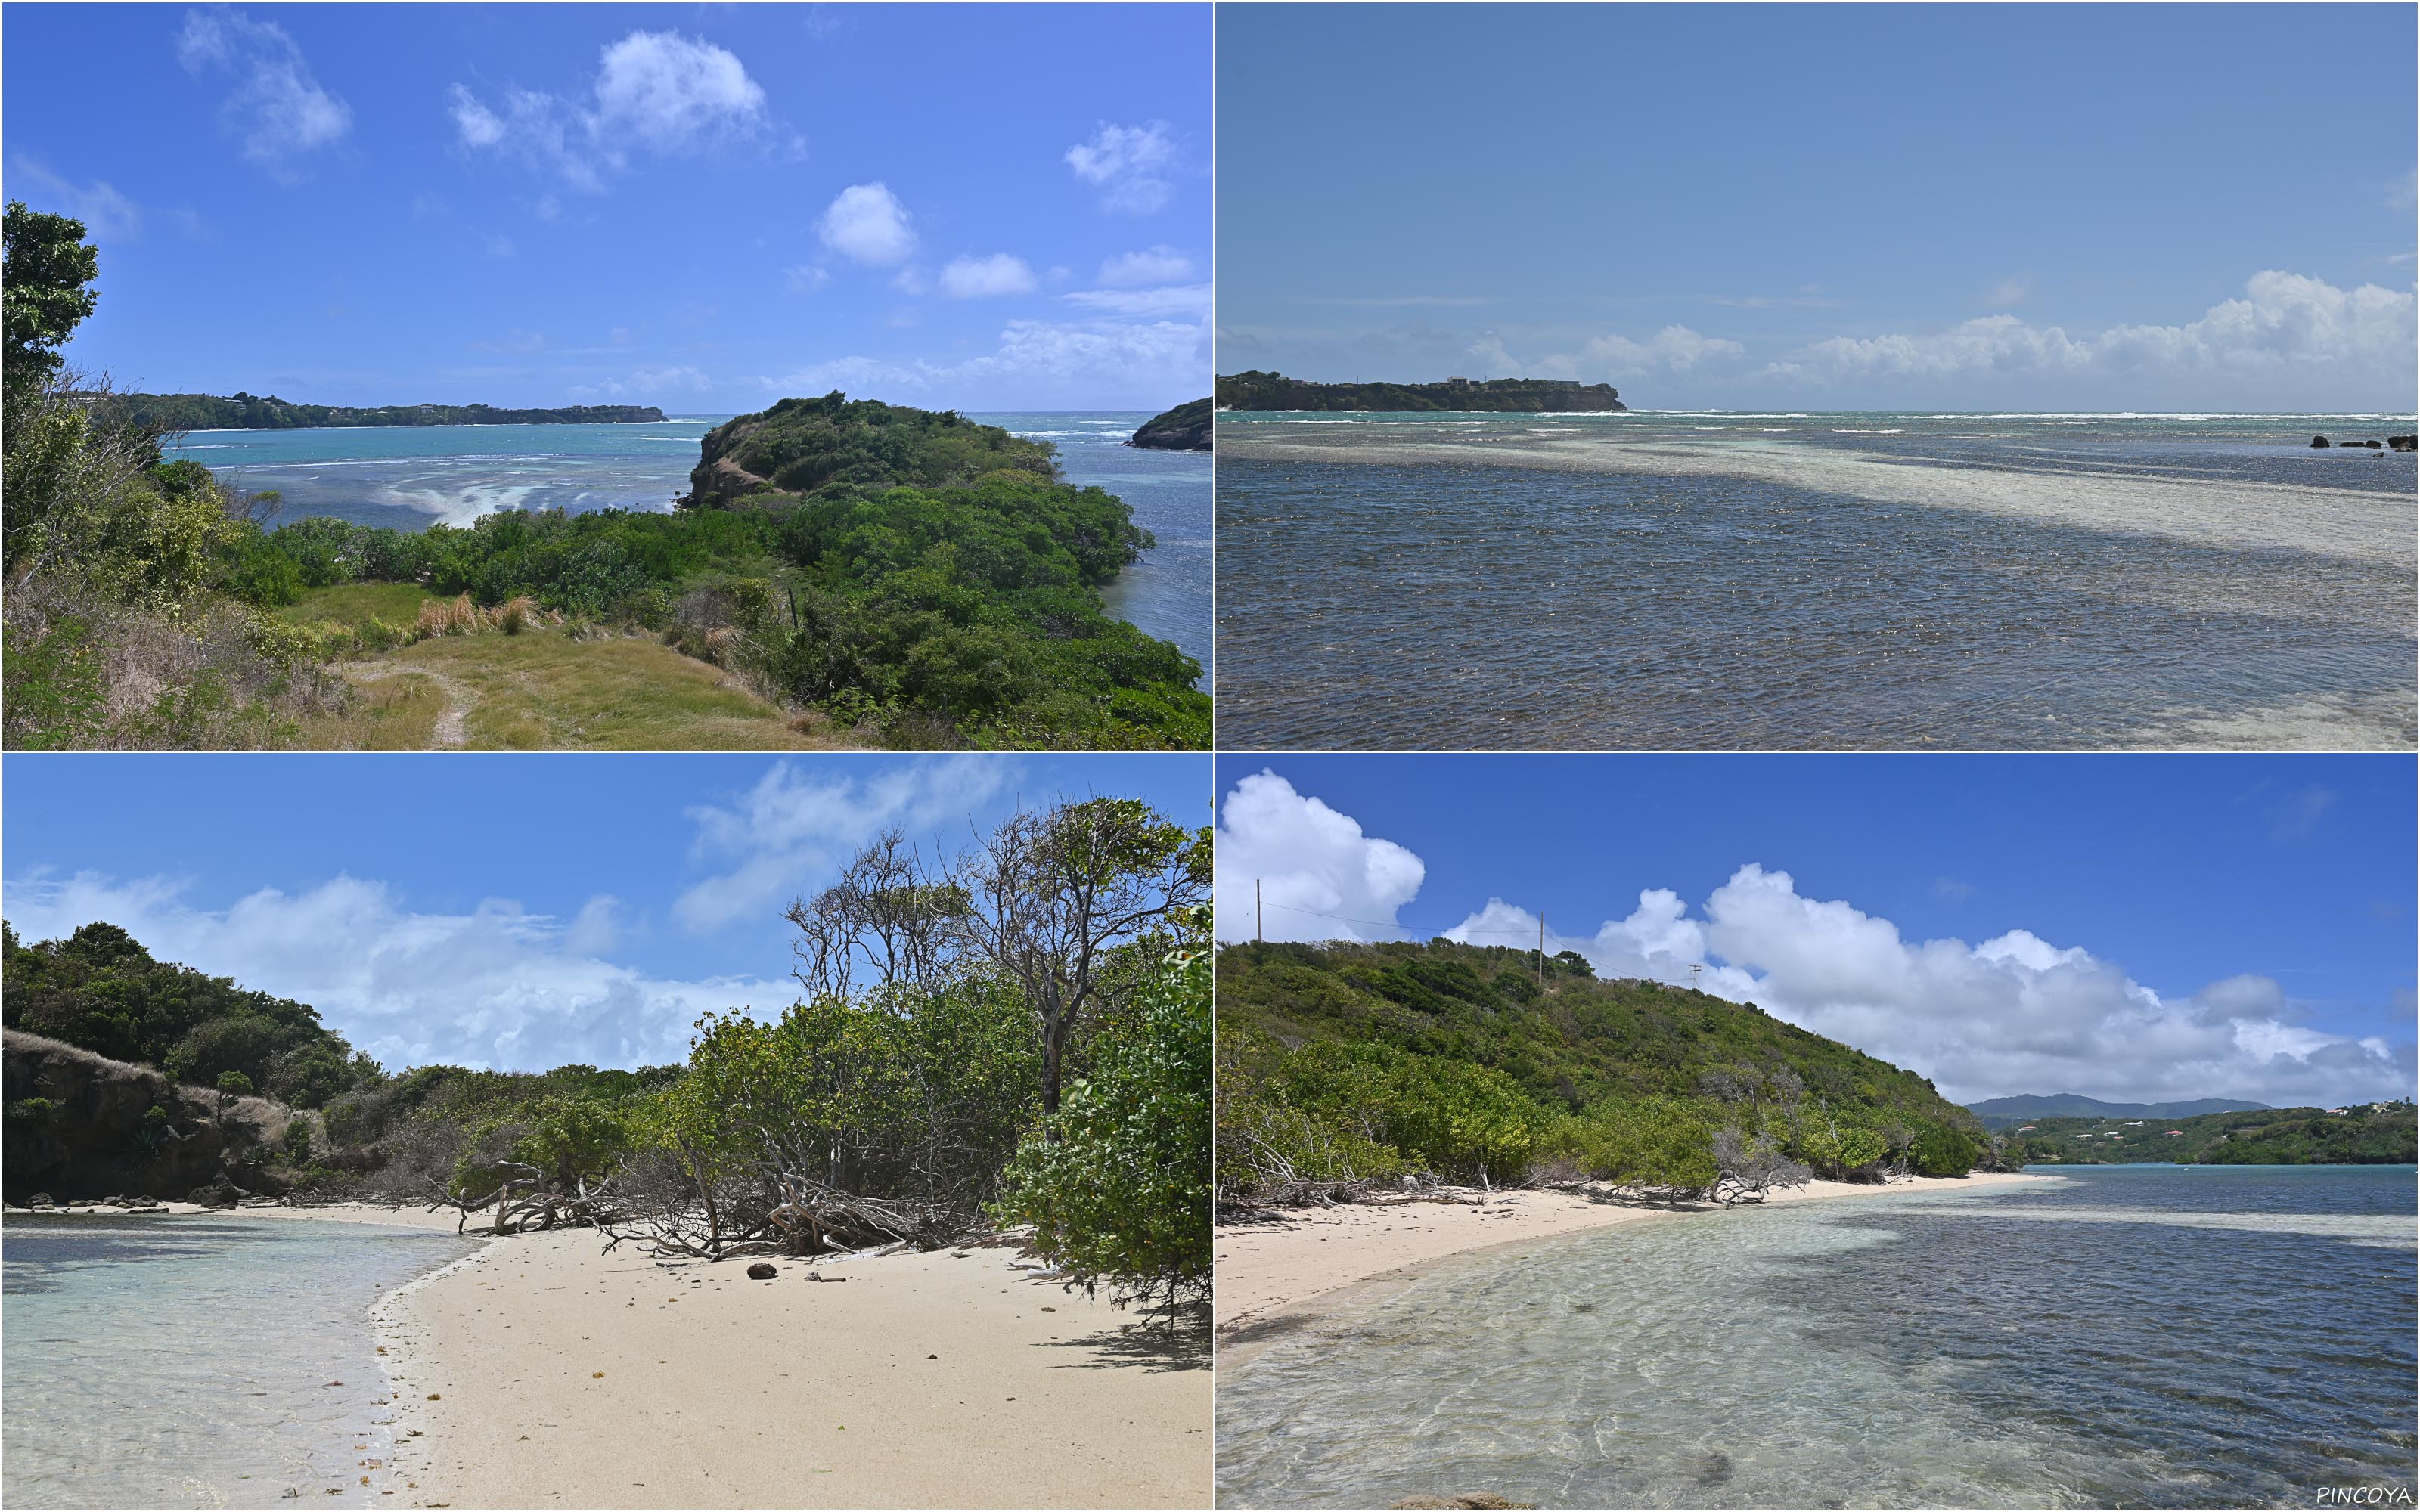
(80,1125)
(2404,443)
(1184,428)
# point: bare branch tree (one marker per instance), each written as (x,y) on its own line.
(886,917)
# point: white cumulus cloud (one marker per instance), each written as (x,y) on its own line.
(277,108)
(866,223)
(1319,877)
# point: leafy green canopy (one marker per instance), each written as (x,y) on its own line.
(806,446)
(2376,1134)
(98,989)
(1376,1061)
(1117,1184)
(49,269)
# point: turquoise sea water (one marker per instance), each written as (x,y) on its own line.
(1790,579)
(2148,1335)
(197,1361)
(411,477)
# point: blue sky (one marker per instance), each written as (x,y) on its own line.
(510,911)
(705,207)
(1969,207)
(2123,926)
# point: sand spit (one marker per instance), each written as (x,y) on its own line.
(2357,525)
(1277,1275)
(543,1372)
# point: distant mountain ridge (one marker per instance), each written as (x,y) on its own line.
(2002,1112)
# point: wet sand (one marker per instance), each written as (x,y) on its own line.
(1279,1274)
(2354,524)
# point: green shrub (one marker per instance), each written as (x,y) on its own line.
(1117,1185)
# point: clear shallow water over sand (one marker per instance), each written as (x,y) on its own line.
(411,477)
(1791,580)
(196,1362)
(2130,1335)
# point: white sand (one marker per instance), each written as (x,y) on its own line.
(1272,1275)
(566,1376)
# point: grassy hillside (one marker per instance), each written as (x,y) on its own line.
(2368,1134)
(1349,1062)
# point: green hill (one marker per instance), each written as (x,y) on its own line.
(2007,1112)
(1184,428)
(1372,1061)
(2367,1133)
(1274,391)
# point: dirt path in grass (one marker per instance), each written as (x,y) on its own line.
(453,728)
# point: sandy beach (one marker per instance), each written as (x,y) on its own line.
(1280,1272)
(543,1372)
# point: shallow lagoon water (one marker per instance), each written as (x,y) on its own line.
(411,477)
(1792,580)
(2127,1335)
(197,1362)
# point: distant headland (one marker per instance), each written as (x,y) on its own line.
(1184,428)
(1274,391)
(245,411)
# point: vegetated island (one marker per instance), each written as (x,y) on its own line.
(168,413)
(1273,391)
(2359,1133)
(1001,1145)
(1383,1105)
(1184,428)
(841,574)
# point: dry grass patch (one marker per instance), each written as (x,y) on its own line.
(541,689)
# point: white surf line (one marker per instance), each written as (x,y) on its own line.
(2355,525)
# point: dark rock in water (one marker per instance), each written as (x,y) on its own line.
(2319,440)
(2372,445)
(2404,443)
(762,1271)
(1184,428)
(218,1194)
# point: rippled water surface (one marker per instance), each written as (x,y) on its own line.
(196,1362)
(411,477)
(1794,580)
(2124,1336)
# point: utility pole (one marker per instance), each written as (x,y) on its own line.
(1256,910)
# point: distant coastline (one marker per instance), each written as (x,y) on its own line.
(1275,391)
(246,411)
